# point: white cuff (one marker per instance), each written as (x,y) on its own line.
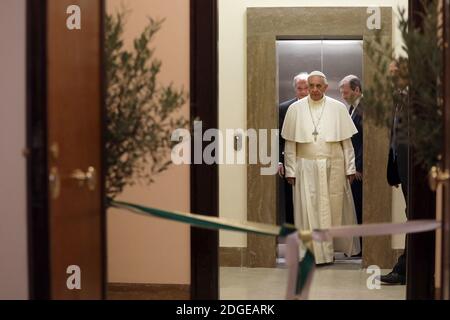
(290,158)
(349,157)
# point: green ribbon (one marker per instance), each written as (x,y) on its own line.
(209,222)
(306,266)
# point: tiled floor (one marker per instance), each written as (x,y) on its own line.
(341,281)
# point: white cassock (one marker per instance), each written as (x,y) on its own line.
(320,163)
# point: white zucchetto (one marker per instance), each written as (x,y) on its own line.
(317,73)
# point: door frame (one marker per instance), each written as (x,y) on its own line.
(38,215)
(422,205)
(445,262)
(37,170)
(204,178)
(265,26)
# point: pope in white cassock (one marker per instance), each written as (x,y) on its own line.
(320,164)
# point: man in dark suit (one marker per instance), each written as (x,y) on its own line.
(397,171)
(286,203)
(351,91)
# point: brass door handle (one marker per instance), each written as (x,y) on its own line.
(436,177)
(54,181)
(88,178)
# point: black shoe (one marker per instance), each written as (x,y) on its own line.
(393,278)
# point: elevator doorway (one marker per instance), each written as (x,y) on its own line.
(336,59)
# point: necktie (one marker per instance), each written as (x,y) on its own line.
(351,109)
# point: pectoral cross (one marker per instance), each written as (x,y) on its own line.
(315,134)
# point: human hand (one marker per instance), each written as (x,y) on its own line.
(351,178)
(358,176)
(291,181)
(281,170)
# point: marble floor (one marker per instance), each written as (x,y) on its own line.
(345,280)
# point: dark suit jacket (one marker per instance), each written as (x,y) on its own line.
(397,168)
(357,139)
(282,114)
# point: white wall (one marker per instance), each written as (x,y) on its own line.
(233,89)
(13,225)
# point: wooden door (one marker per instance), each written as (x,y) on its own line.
(445,264)
(74,143)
